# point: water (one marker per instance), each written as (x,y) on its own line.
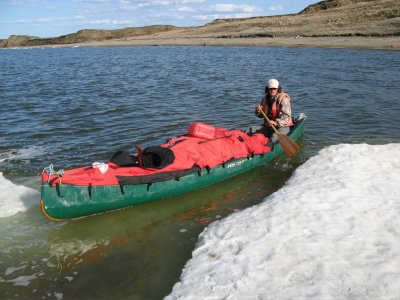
(74,106)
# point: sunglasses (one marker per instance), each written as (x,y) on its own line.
(272,88)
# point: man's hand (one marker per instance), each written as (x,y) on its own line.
(273,123)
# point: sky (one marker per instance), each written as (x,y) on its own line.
(49,18)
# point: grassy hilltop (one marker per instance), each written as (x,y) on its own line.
(329,18)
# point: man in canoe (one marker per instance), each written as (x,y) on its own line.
(276,106)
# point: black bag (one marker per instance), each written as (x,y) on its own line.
(124,159)
(157,157)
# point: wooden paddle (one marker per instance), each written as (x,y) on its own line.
(287,144)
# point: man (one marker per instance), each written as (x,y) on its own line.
(276,105)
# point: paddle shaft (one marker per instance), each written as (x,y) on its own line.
(266,118)
(287,144)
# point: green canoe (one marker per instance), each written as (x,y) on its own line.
(68,201)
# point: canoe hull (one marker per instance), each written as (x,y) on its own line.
(70,201)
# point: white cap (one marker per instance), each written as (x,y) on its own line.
(273,84)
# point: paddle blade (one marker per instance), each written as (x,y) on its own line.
(288,145)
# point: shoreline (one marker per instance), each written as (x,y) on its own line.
(359,43)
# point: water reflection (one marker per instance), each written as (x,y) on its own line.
(139,238)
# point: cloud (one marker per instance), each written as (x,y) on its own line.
(20,3)
(129,3)
(78,19)
(157,2)
(109,22)
(233,7)
(220,16)
(151,3)
(185,9)
(30,21)
(276,8)
(190,1)
(93,1)
(203,17)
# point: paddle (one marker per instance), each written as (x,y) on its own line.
(287,144)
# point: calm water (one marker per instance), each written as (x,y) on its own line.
(74,106)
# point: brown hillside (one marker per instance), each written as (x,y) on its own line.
(326,18)
(87,35)
(329,18)
(17,40)
(328,4)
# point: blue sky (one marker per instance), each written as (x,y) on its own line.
(50,18)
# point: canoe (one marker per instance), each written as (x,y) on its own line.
(62,199)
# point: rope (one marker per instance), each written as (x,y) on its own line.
(50,171)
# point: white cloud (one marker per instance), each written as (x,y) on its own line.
(190,1)
(203,17)
(276,8)
(44,20)
(186,9)
(78,19)
(220,16)
(148,3)
(21,3)
(94,2)
(233,7)
(108,21)
(158,2)
(238,16)
(30,21)
(162,2)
